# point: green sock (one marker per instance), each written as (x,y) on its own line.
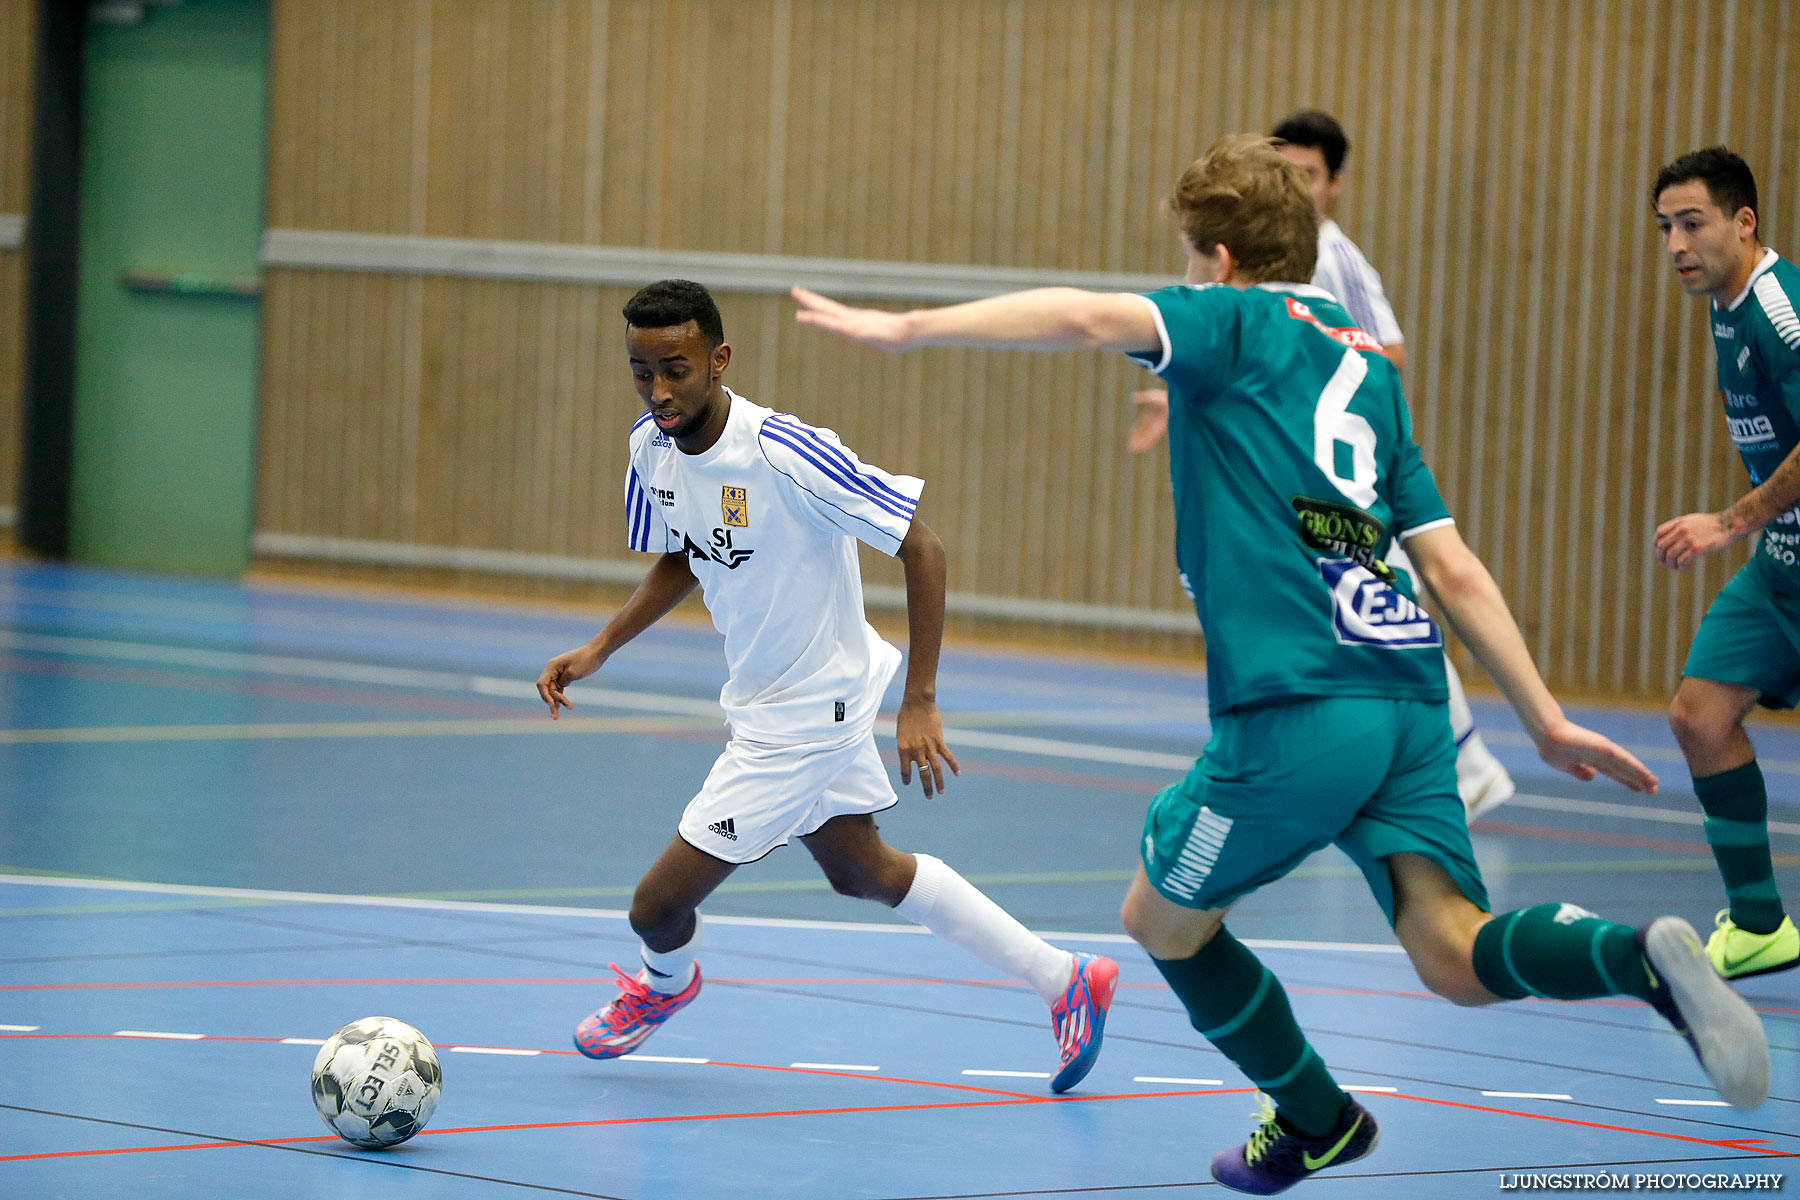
(1560,952)
(1240,1007)
(1737,829)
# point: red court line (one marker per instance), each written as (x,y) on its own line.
(1738,1144)
(1590,837)
(956,1087)
(1006,1100)
(1555,833)
(1001,1098)
(1744,1144)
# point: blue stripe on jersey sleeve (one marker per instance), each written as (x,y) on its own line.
(849,482)
(837,455)
(886,534)
(637,513)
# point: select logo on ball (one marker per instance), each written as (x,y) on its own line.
(376,1082)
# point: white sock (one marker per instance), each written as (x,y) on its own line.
(954,909)
(1462,721)
(671,972)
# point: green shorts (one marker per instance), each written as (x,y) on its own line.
(1751,636)
(1374,776)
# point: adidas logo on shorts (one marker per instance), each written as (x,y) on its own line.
(726,829)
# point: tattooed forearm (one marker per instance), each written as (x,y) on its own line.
(1762,504)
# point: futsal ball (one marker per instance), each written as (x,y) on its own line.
(376,1082)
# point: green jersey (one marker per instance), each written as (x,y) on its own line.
(1757,338)
(1294,468)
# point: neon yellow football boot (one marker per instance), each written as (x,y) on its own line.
(1738,953)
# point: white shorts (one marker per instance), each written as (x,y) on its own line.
(757,797)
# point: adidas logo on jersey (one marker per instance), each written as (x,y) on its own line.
(726,829)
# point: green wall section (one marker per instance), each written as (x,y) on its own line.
(172,184)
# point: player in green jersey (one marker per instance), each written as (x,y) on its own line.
(1747,649)
(1294,469)
(1316,143)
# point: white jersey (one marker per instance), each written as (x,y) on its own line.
(1346,274)
(769,518)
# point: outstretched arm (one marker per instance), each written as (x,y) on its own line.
(1057,318)
(668,584)
(920,727)
(1684,539)
(1477,612)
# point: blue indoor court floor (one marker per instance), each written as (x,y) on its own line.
(234,817)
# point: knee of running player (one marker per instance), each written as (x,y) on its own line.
(661,916)
(1701,729)
(1162,928)
(880,873)
(1443,954)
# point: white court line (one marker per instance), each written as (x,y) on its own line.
(151,1033)
(1632,812)
(19,1028)
(488,685)
(611,914)
(641,702)
(699,1062)
(493,1050)
(303,1041)
(1176,1079)
(1368,1087)
(1695,1103)
(1529,1095)
(1192,707)
(1012,1074)
(831,1067)
(353,672)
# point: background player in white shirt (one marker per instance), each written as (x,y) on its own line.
(763,512)
(1315,142)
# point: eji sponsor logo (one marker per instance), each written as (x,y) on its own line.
(1368,612)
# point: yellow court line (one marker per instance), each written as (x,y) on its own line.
(352,729)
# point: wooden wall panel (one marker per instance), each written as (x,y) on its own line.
(1502,153)
(17,42)
(12,321)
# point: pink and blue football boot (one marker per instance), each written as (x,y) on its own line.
(1078,1018)
(628,1021)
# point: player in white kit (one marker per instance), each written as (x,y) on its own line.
(1315,142)
(763,513)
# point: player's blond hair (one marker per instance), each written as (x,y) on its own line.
(1242,192)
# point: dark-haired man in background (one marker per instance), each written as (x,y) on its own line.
(763,513)
(1316,143)
(1747,649)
